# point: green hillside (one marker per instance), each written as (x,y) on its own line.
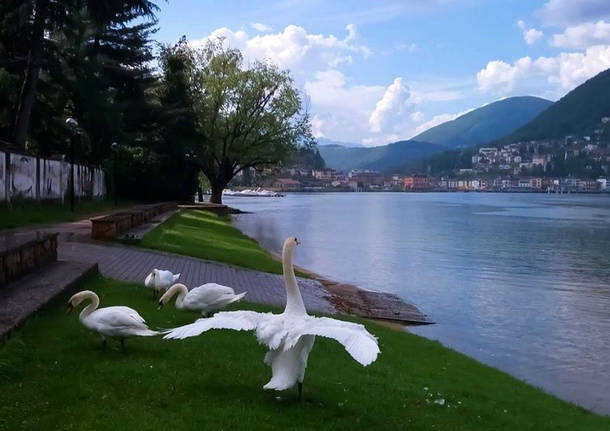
(577,113)
(488,123)
(382,158)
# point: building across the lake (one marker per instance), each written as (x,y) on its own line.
(286,184)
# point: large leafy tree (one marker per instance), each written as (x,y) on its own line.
(248,116)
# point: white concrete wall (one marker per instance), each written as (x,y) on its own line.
(50,180)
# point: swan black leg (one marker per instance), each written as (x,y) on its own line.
(122,344)
(104,344)
(300,386)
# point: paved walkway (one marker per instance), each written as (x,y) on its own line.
(134,264)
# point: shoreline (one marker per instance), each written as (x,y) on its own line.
(386,308)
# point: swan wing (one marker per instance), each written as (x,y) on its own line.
(218,289)
(115,317)
(205,295)
(358,342)
(242,320)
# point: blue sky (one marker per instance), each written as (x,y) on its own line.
(373,72)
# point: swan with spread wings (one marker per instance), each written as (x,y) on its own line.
(290,335)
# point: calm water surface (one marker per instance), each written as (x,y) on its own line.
(518,281)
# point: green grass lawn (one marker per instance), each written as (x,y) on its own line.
(55,376)
(25,213)
(205,235)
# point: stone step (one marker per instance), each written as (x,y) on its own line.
(23,297)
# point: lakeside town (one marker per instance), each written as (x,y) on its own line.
(530,166)
(367,180)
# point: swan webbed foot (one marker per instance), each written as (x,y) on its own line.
(300,388)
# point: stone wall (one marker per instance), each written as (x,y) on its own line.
(21,252)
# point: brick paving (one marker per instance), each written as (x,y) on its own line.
(133,264)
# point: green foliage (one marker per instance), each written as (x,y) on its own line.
(248,116)
(443,163)
(308,157)
(208,236)
(54,375)
(577,113)
(487,123)
(388,158)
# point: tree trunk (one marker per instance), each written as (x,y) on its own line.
(30,82)
(217,188)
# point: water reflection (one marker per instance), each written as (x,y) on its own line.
(519,281)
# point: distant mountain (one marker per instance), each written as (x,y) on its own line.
(488,123)
(577,113)
(384,158)
(325,141)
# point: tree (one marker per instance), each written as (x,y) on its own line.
(248,117)
(46,26)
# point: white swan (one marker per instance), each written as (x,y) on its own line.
(290,336)
(114,322)
(206,298)
(159,280)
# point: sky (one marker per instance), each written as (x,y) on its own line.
(374,72)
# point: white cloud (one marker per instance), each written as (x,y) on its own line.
(258,26)
(583,35)
(568,12)
(545,76)
(294,48)
(368,114)
(393,109)
(435,96)
(530,35)
(341,110)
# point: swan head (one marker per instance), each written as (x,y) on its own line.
(77,298)
(291,242)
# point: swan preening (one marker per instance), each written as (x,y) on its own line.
(114,322)
(290,335)
(160,280)
(206,298)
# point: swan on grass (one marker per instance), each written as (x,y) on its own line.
(206,298)
(159,280)
(290,335)
(114,322)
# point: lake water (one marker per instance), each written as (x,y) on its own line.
(518,281)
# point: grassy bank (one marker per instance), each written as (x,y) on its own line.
(54,375)
(26,213)
(205,235)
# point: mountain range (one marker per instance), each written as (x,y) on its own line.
(577,113)
(487,123)
(509,120)
(382,158)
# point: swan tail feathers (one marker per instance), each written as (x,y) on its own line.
(237,297)
(147,333)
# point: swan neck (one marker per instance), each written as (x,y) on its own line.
(179,289)
(294,301)
(182,291)
(91,307)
